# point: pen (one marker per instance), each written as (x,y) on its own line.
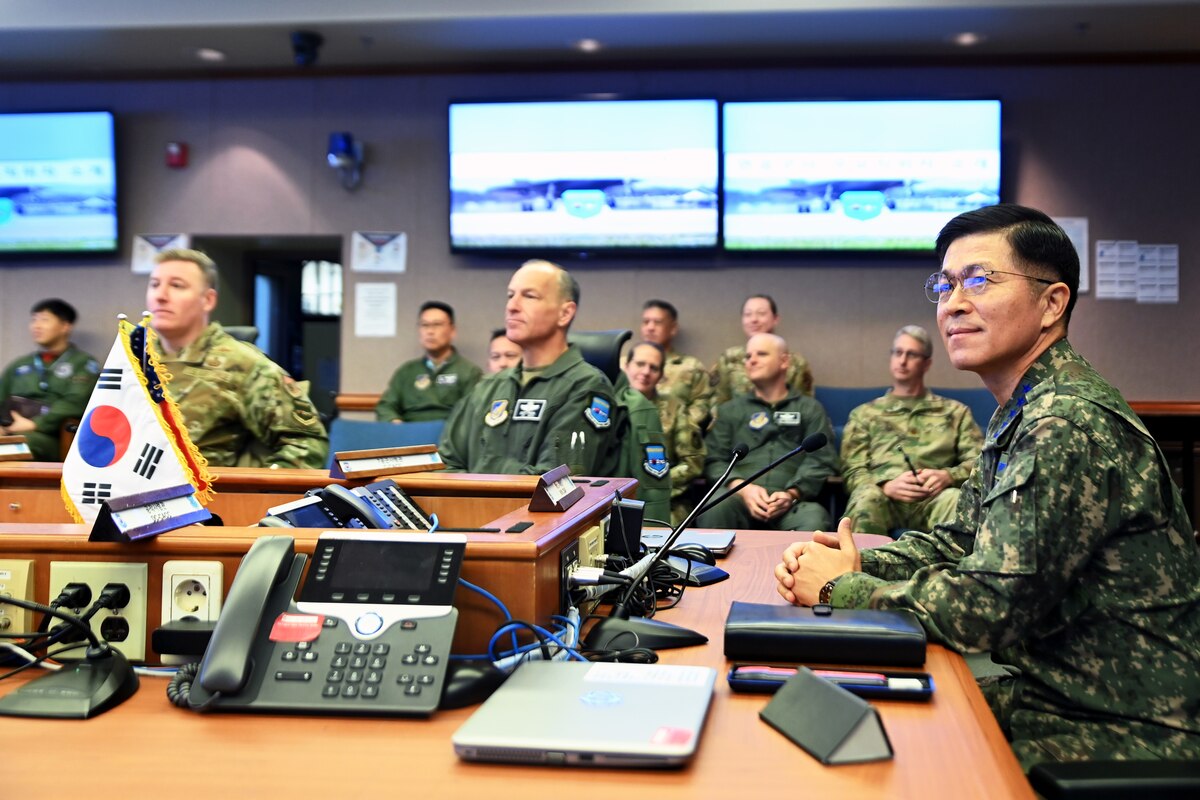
(908,461)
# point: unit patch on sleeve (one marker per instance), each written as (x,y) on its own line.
(656,463)
(528,410)
(598,413)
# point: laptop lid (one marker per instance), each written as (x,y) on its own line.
(719,542)
(591,714)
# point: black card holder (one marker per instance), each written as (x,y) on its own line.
(821,634)
(830,724)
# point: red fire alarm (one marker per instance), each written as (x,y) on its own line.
(177,154)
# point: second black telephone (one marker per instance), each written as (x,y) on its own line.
(382,504)
(369,634)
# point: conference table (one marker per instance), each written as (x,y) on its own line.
(948,747)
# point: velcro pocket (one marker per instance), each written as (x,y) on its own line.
(1006,541)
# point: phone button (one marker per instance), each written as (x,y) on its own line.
(368,623)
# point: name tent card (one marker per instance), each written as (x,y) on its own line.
(14,448)
(386,461)
(138,516)
(555,491)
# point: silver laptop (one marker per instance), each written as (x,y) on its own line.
(585,714)
(719,542)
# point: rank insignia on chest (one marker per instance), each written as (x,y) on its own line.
(759,420)
(528,410)
(656,463)
(24,369)
(422,382)
(497,413)
(598,413)
(447,380)
(790,418)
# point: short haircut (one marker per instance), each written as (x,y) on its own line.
(1040,246)
(437,305)
(636,345)
(207,266)
(770,301)
(497,333)
(918,333)
(59,308)
(664,305)
(568,287)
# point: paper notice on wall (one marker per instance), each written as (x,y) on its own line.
(372,251)
(375,310)
(147,246)
(1077,230)
(1158,273)
(1116,269)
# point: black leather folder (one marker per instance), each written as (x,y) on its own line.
(761,632)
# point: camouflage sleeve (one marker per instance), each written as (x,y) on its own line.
(720,384)
(699,399)
(1035,532)
(388,407)
(283,420)
(802,381)
(969,443)
(856,454)
(688,445)
(815,467)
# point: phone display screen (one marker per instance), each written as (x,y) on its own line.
(383,571)
(383,565)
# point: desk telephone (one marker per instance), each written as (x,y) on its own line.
(382,504)
(370,633)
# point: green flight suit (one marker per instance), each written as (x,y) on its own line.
(419,391)
(62,388)
(1071,558)
(241,408)
(563,415)
(935,432)
(728,377)
(644,453)
(770,431)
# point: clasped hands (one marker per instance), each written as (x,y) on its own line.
(807,566)
(763,505)
(909,488)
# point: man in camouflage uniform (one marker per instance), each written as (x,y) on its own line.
(42,390)
(674,456)
(1070,557)
(684,378)
(427,388)
(728,378)
(552,409)
(241,409)
(771,420)
(905,454)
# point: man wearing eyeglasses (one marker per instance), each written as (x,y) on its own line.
(427,388)
(1070,557)
(905,454)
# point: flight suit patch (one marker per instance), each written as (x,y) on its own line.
(447,380)
(422,382)
(63,370)
(528,410)
(758,420)
(598,413)
(497,414)
(656,463)
(791,418)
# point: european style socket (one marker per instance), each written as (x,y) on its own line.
(124,628)
(192,590)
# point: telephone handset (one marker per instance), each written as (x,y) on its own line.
(370,633)
(382,504)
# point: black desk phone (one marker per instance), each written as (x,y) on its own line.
(382,504)
(370,633)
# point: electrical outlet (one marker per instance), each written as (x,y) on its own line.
(192,590)
(568,563)
(591,547)
(123,628)
(16,580)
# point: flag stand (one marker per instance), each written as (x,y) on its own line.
(138,516)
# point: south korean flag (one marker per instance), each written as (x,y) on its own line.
(128,444)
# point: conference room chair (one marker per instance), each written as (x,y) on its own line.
(353,434)
(602,349)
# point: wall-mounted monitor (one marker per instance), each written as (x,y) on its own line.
(878,175)
(583,176)
(58,183)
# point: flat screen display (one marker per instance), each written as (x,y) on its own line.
(58,183)
(583,175)
(855,175)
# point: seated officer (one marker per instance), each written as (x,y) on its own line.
(639,438)
(684,378)
(502,353)
(728,377)
(682,437)
(771,419)
(241,408)
(1070,556)
(553,408)
(427,388)
(905,454)
(40,391)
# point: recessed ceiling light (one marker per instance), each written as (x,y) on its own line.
(967,38)
(210,54)
(588,45)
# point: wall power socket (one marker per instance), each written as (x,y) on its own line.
(192,590)
(16,580)
(123,628)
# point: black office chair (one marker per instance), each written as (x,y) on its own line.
(243,333)
(602,349)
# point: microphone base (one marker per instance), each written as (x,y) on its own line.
(614,633)
(77,691)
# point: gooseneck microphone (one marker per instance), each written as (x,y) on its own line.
(814,442)
(652,633)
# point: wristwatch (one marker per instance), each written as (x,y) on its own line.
(826,592)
